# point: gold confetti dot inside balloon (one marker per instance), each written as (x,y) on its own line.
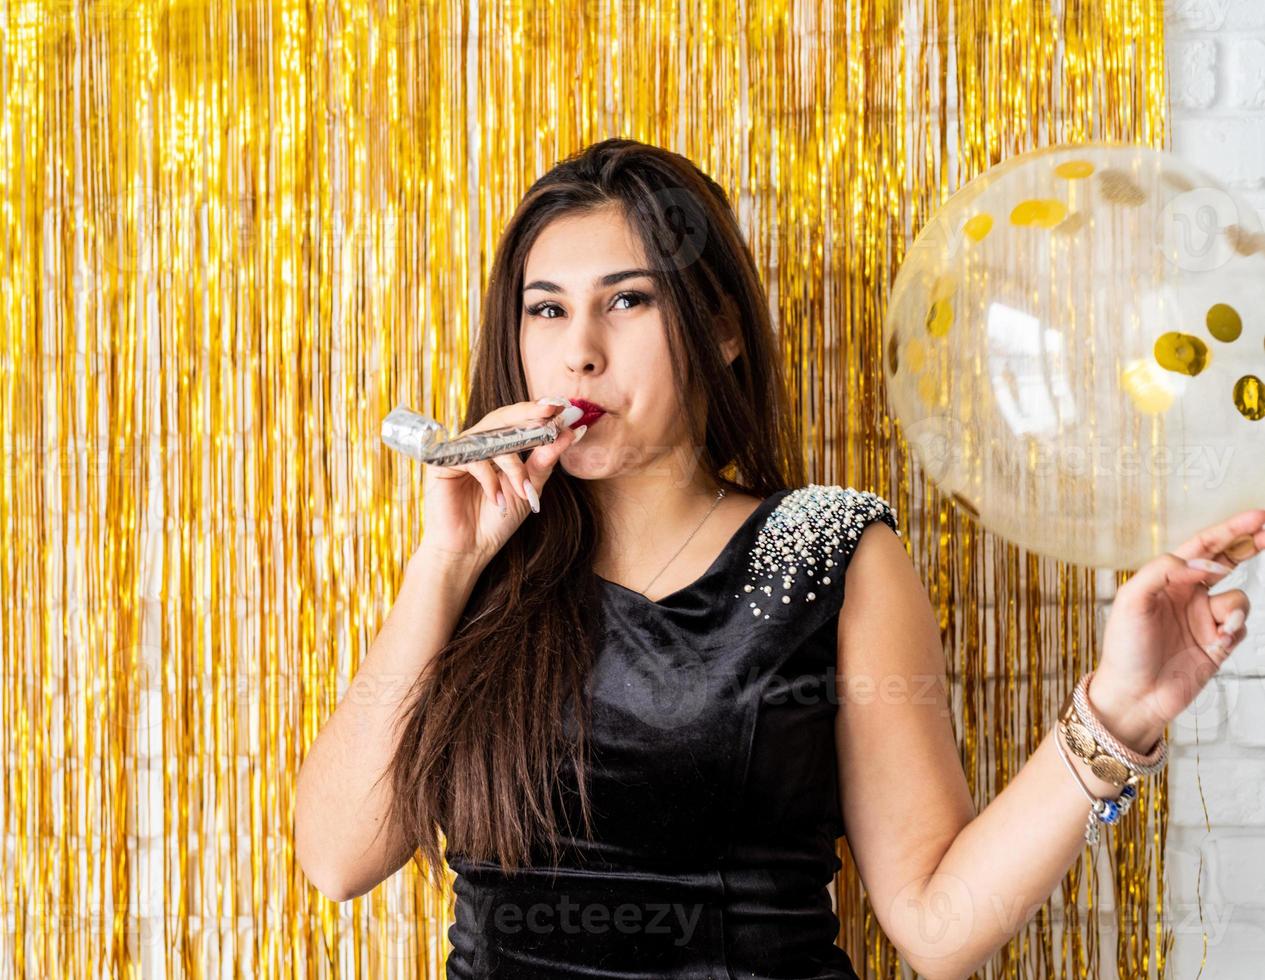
(1147,388)
(893,354)
(1117,187)
(1074,223)
(1181,353)
(1249,397)
(1074,169)
(1052,214)
(1245,242)
(1177,181)
(915,355)
(1224,323)
(1023,214)
(940,318)
(927,391)
(1044,213)
(946,285)
(978,226)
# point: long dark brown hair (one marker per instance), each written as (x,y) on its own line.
(483,728)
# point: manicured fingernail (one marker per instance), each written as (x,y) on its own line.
(1232,623)
(553,400)
(570,414)
(579,433)
(500,502)
(1204,565)
(1216,650)
(532,497)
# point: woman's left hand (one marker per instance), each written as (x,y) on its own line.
(1164,640)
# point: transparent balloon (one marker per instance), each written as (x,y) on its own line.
(1075,346)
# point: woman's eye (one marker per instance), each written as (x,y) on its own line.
(540,308)
(639,297)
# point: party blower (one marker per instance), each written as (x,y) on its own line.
(422,438)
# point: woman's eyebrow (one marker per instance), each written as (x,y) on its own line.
(598,283)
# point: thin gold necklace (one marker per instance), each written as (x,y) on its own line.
(720,493)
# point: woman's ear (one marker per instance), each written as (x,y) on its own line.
(725,329)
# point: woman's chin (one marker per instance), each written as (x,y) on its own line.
(585,461)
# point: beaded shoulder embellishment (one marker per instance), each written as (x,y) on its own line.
(800,540)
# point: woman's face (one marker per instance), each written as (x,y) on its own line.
(591,327)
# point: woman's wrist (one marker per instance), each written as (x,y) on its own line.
(1107,751)
(434,556)
(438,566)
(1124,718)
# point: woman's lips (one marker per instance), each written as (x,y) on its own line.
(588,418)
(591,412)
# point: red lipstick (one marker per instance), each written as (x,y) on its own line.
(592,412)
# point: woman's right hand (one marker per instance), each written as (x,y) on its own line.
(462,520)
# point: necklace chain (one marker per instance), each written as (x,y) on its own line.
(720,493)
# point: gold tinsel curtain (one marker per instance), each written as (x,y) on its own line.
(236,234)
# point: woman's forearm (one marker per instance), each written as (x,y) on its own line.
(1005,864)
(339,802)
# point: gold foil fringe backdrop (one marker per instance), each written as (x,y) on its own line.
(237,234)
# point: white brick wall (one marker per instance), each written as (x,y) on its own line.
(1216,54)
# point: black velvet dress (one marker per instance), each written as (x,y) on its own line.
(713,782)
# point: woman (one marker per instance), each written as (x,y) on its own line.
(680,584)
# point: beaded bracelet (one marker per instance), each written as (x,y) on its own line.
(1101,810)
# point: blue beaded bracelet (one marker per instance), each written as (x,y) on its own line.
(1113,810)
(1101,810)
